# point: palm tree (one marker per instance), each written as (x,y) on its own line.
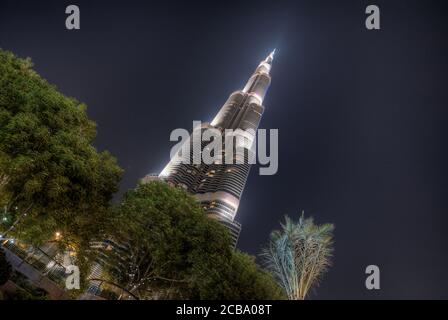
(299,254)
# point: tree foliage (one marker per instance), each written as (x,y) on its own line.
(170,249)
(51,177)
(238,278)
(299,254)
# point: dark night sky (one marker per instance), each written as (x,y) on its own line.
(361,114)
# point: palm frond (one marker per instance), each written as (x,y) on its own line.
(299,254)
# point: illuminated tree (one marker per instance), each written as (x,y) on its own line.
(299,254)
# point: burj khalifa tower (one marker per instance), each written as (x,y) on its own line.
(219,186)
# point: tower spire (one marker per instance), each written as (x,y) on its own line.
(259,81)
(270,57)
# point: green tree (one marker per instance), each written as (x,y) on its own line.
(5,268)
(170,249)
(52,179)
(299,254)
(237,278)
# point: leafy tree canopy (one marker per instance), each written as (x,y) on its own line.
(51,177)
(173,250)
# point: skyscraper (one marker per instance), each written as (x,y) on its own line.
(219,186)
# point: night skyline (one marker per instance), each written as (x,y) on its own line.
(362,138)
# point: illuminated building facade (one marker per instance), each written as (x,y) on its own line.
(219,186)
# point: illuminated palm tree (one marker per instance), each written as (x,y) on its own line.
(299,254)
